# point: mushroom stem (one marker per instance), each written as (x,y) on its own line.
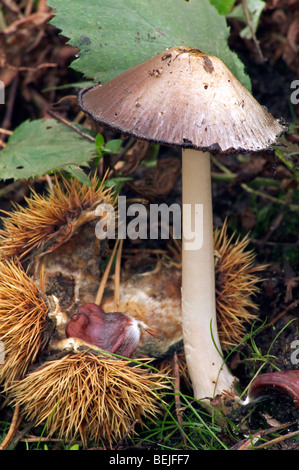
(208,373)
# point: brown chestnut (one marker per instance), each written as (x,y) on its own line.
(284,382)
(115,332)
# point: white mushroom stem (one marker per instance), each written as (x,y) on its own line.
(208,373)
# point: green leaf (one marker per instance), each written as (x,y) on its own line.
(113,36)
(255,8)
(74,447)
(117,180)
(78,173)
(42,146)
(223,6)
(117,183)
(113,146)
(99,143)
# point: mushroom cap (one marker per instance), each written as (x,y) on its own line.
(185,98)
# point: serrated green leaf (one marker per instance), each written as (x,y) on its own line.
(42,146)
(113,36)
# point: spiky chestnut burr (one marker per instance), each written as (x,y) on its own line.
(23,320)
(90,395)
(53,236)
(236,282)
(48,220)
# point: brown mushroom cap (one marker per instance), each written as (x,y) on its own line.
(185,98)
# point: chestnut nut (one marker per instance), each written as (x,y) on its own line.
(115,332)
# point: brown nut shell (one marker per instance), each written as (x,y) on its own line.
(285,382)
(115,332)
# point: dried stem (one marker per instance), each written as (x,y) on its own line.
(117,277)
(71,126)
(103,283)
(15,423)
(257,45)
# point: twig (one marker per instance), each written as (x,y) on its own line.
(274,225)
(15,186)
(29,6)
(247,443)
(40,439)
(12,6)
(79,117)
(103,283)
(6,123)
(117,276)
(294,304)
(20,435)
(38,19)
(126,434)
(154,251)
(5,131)
(49,181)
(15,423)
(123,152)
(260,242)
(31,69)
(248,19)
(228,176)
(276,440)
(71,126)
(292,207)
(278,317)
(178,407)
(232,177)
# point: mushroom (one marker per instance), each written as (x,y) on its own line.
(185,98)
